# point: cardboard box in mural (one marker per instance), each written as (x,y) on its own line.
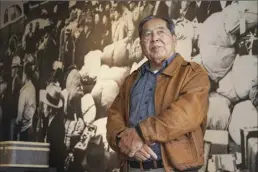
(62,64)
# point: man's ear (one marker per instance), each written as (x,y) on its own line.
(174,39)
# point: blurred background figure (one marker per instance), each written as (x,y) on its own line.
(53,125)
(26,104)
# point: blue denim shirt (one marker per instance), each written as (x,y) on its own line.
(142,103)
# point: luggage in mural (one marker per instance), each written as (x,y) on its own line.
(88,133)
(249,147)
(219,140)
(246,113)
(222,162)
(218,117)
(24,154)
(252,154)
(207,149)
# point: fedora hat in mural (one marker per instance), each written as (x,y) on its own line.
(52,96)
(16,62)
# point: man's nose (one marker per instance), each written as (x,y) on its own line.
(154,37)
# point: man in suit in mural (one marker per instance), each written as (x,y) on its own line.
(160,111)
(186,10)
(30,40)
(54,126)
(82,38)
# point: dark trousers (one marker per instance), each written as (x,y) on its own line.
(24,135)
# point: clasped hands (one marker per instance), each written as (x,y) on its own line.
(133,146)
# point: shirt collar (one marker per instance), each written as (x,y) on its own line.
(146,66)
(26,85)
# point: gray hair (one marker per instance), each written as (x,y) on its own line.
(170,23)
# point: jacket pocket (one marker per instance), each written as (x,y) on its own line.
(181,150)
(186,152)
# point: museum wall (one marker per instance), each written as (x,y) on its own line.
(80,53)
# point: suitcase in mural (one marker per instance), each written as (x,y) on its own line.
(246,133)
(26,169)
(219,141)
(222,162)
(252,154)
(24,154)
(207,149)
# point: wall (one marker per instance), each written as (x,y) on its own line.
(86,49)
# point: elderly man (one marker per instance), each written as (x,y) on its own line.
(157,121)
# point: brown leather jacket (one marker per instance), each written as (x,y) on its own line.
(181,105)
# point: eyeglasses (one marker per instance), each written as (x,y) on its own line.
(148,34)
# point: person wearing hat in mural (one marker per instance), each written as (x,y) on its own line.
(10,100)
(53,124)
(157,121)
(72,94)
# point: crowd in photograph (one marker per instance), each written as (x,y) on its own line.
(57,82)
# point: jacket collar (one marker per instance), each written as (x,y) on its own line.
(172,67)
(27,84)
(146,65)
(175,65)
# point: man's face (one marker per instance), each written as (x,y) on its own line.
(96,19)
(184,4)
(116,15)
(14,71)
(157,42)
(132,5)
(101,8)
(107,8)
(104,20)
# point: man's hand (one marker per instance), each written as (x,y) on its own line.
(130,142)
(145,153)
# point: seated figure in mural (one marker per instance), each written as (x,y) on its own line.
(161,109)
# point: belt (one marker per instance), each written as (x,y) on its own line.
(146,165)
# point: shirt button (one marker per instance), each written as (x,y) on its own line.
(150,89)
(145,102)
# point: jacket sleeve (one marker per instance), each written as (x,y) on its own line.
(183,115)
(116,119)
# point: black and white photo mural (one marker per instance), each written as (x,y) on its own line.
(62,63)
